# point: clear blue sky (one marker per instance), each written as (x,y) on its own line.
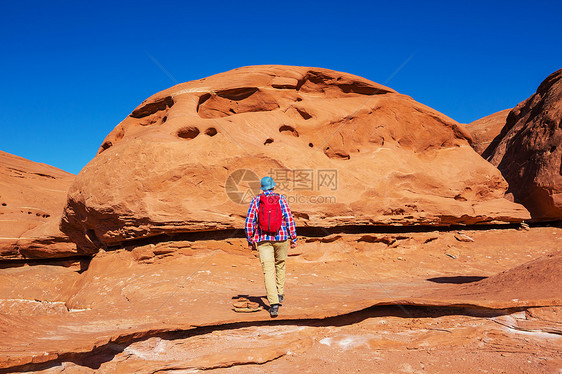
(72,70)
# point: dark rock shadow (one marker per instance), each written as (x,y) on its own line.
(459,279)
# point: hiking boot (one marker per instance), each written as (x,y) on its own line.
(280,299)
(274,310)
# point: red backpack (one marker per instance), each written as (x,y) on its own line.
(269,213)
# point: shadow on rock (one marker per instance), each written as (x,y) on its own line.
(254,299)
(460,279)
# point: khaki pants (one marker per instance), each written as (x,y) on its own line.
(272,258)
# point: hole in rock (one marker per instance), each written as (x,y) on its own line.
(338,154)
(310,145)
(164,119)
(202,99)
(316,81)
(189,132)
(237,94)
(235,101)
(46,215)
(361,88)
(4,204)
(45,175)
(268,141)
(289,130)
(92,237)
(304,114)
(153,107)
(211,131)
(106,145)
(28,212)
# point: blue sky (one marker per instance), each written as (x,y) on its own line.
(72,70)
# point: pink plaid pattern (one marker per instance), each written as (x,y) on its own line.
(253,231)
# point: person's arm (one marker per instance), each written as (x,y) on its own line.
(250,225)
(289,221)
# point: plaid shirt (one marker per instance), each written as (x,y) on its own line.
(253,231)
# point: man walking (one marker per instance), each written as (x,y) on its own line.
(270,227)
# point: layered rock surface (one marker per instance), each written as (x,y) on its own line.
(484,130)
(169,306)
(32,197)
(345,150)
(528,151)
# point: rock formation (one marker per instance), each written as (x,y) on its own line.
(484,130)
(345,150)
(528,151)
(32,197)
(105,317)
(359,297)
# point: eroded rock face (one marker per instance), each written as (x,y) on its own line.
(32,197)
(386,159)
(528,151)
(484,130)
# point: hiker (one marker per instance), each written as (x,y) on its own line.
(270,229)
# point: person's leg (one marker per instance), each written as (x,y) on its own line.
(281,251)
(267,259)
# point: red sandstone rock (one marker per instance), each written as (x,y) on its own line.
(168,306)
(535,279)
(32,197)
(124,300)
(165,169)
(528,151)
(485,129)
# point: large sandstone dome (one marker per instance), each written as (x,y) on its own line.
(345,150)
(528,151)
